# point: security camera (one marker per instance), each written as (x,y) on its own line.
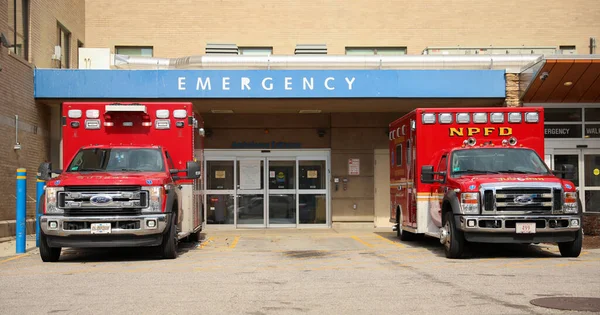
(544,76)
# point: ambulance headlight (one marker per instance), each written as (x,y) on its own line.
(155,198)
(469,203)
(532,117)
(497,118)
(52,200)
(514,117)
(570,204)
(428,118)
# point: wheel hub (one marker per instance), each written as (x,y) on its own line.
(443,235)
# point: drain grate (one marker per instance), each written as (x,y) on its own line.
(569,303)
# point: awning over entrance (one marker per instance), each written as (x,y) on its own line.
(566,80)
(214,84)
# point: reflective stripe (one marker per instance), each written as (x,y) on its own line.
(40,180)
(21,177)
(21,170)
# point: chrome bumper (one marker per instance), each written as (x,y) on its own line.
(141,229)
(506,223)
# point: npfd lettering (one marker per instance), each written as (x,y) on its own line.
(486,131)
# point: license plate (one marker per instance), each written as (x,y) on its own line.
(525,228)
(100,228)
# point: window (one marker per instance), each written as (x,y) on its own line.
(122,160)
(255,51)
(64,41)
(390,51)
(567,50)
(497,161)
(144,51)
(399,155)
(18,27)
(443,166)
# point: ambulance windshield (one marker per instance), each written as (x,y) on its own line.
(497,161)
(118,160)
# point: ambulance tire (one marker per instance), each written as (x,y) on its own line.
(403,235)
(455,242)
(573,248)
(168,248)
(47,253)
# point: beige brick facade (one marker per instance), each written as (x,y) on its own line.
(181,27)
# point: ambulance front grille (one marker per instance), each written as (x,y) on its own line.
(530,200)
(102,200)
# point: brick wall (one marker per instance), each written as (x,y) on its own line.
(16,90)
(591,224)
(183,27)
(45,16)
(16,87)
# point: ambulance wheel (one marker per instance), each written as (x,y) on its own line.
(403,235)
(573,248)
(168,248)
(47,253)
(454,242)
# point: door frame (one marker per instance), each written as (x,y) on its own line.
(580,152)
(283,154)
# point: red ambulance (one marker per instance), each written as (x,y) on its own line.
(477,175)
(131,176)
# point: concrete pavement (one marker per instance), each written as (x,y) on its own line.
(298,271)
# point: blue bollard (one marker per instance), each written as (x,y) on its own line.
(39,190)
(21,209)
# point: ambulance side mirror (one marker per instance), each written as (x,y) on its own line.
(193,170)
(427,174)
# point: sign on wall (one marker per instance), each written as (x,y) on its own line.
(353,166)
(82,83)
(562,131)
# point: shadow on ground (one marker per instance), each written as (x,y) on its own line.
(79,255)
(477,250)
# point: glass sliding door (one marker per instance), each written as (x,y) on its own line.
(250,190)
(220,175)
(282,192)
(590,197)
(312,191)
(255,189)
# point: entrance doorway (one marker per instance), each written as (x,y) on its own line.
(270,188)
(587,172)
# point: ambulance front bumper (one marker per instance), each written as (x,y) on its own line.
(110,231)
(517,228)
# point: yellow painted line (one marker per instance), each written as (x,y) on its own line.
(361,241)
(13,258)
(235,241)
(205,242)
(390,241)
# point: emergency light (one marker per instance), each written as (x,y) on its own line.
(480,118)
(162,121)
